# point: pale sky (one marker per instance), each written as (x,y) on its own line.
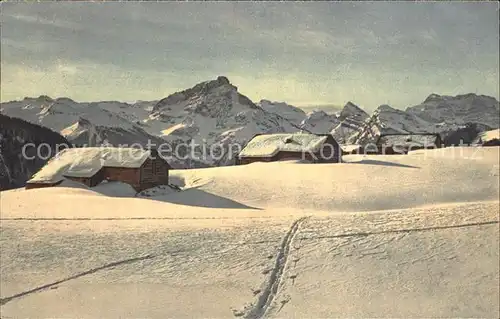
(303,53)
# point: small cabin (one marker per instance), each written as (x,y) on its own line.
(90,166)
(403,143)
(298,146)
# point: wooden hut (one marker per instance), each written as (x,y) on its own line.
(403,143)
(140,168)
(298,146)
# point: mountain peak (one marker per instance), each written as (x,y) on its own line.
(203,88)
(66,100)
(432,96)
(352,110)
(317,114)
(222,80)
(275,104)
(385,108)
(44,98)
(212,84)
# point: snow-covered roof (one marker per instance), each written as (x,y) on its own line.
(268,145)
(406,139)
(86,161)
(84,166)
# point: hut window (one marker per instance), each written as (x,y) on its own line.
(158,168)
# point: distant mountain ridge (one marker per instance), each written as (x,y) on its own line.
(327,108)
(437,114)
(214,113)
(459,110)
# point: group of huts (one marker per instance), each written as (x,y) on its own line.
(393,144)
(323,148)
(143,169)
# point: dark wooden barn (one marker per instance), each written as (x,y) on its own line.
(90,166)
(298,146)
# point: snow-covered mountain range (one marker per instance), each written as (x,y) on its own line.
(459,110)
(437,114)
(213,114)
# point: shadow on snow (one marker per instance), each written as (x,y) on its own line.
(200,198)
(382,163)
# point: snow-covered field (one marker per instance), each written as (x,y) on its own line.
(377,236)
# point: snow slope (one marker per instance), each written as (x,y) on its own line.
(290,112)
(352,119)
(342,126)
(437,262)
(443,263)
(362,183)
(319,122)
(269,240)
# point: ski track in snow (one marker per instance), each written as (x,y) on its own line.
(5,300)
(402,231)
(271,290)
